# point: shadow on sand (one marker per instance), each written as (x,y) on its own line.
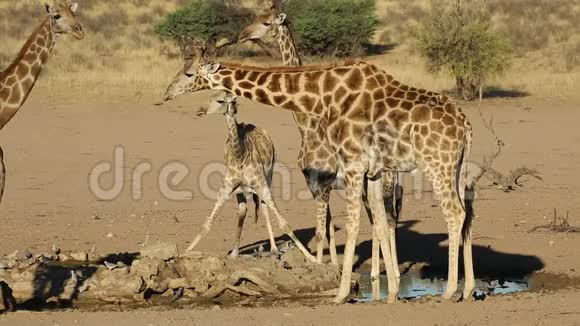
(417,248)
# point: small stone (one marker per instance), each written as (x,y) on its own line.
(110,266)
(294,258)
(110,235)
(27,254)
(216,308)
(163,251)
(80,256)
(551,243)
(55,250)
(63,257)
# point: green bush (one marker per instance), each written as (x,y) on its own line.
(457,37)
(332,27)
(203,22)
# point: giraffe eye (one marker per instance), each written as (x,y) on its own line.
(267,24)
(188,75)
(57,16)
(221,101)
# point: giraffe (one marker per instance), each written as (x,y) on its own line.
(375,124)
(316,159)
(249,157)
(17,81)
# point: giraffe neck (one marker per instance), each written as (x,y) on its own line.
(17,81)
(293,89)
(287,46)
(234,139)
(291,58)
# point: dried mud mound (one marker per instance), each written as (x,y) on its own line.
(158,274)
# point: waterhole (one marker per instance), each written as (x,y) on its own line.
(413,286)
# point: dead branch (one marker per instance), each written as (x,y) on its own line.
(247,275)
(559,224)
(508,182)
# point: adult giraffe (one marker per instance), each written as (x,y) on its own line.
(375,124)
(17,81)
(317,159)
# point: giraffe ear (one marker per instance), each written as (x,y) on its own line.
(281,19)
(74,6)
(49,8)
(212,68)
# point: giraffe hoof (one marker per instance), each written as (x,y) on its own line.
(339,299)
(392,299)
(468,296)
(453,297)
(448,295)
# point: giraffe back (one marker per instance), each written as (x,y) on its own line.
(258,148)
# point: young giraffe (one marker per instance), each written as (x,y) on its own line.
(375,123)
(249,158)
(317,159)
(17,81)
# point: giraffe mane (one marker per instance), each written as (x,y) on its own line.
(346,63)
(22,51)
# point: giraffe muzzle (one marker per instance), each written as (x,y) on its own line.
(78,33)
(168,97)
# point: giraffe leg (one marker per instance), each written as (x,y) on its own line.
(375,269)
(393,208)
(242,212)
(354,177)
(394,256)
(321,222)
(2,174)
(376,249)
(444,185)
(468,267)
(266,196)
(398,207)
(377,204)
(467,251)
(223,195)
(331,238)
(266,213)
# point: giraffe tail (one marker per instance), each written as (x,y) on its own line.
(256,200)
(466,187)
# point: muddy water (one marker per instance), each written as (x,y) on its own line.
(413,286)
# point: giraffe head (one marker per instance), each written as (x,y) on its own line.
(192,77)
(266,24)
(63,16)
(221,103)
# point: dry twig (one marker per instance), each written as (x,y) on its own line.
(559,224)
(508,182)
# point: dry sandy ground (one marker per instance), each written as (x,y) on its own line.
(54,143)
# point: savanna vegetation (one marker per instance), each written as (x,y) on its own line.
(124,55)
